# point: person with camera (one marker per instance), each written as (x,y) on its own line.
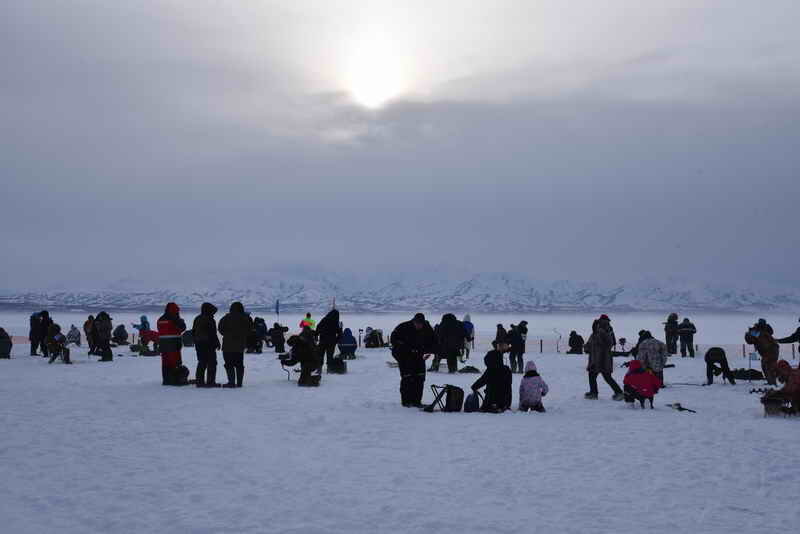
(760,336)
(411,342)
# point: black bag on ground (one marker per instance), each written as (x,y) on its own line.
(473,402)
(449,398)
(469,369)
(337,366)
(747,374)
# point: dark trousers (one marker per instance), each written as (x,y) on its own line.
(104,350)
(515,359)
(452,361)
(35,342)
(723,363)
(206,364)
(672,343)
(607,377)
(326,349)
(280,346)
(412,378)
(687,343)
(538,407)
(234,367)
(631,395)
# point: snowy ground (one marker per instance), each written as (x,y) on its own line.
(98,447)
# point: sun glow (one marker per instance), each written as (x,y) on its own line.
(375,73)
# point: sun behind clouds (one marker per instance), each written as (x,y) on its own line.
(376,72)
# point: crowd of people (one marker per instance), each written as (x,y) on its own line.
(412,343)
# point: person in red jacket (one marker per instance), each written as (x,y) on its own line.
(170,328)
(640,385)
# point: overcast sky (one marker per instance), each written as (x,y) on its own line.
(581,140)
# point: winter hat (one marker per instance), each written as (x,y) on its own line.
(467,318)
(237,307)
(604,317)
(530,366)
(419,318)
(172,308)
(635,365)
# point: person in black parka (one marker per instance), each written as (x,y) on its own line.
(306,354)
(411,341)
(716,356)
(575,343)
(235,327)
(5,344)
(501,334)
(206,345)
(517,345)
(497,379)
(276,335)
(328,332)
(451,337)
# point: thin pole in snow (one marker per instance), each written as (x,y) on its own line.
(541,346)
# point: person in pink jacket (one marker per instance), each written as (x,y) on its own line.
(531,389)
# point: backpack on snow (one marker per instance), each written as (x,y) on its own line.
(747,374)
(337,366)
(473,402)
(449,398)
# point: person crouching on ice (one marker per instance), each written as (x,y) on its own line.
(532,388)
(170,327)
(497,379)
(305,353)
(640,385)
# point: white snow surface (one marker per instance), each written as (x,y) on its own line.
(103,447)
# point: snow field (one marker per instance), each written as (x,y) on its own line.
(98,447)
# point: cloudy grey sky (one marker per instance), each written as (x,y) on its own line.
(584,140)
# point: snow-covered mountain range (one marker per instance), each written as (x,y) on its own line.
(485,292)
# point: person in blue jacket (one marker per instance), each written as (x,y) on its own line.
(143,326)
(347,345)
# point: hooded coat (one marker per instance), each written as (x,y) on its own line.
(451,334)
(276,334)
(497,378)
(652,354)
(599,347)
(235,327)
(644,383)
(5,344)
(347,342)
(120,333)
(328,329)
(687,330)
(102,327)
(469,327)
(532,387)
(204,328)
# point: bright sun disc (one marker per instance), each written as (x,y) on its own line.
(375,74)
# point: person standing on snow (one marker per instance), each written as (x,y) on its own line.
(501,334)
(470,341)
(671,333)
(35,333)
(411,341)
(328,332)
(235,327)
(517,344)
(206,345)
(686,332)
(652,353)
(170,327)
(102,336)
(88,330)
(600,360)
(451,337)
(760,336)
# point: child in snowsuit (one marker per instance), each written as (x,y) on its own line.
(640,385)
(531,390)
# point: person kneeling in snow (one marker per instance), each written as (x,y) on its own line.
(305,353)
(120,336)
(640,385)
(347,345)
(497,379)
(531,390)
